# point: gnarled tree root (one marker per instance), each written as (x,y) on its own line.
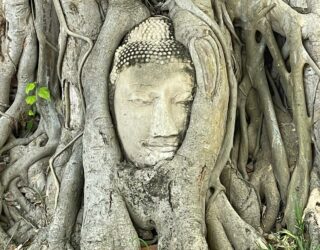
(221,222)
(100,210)
(312,218)
(264,182)
(242,196)
(69,201)
(4,240)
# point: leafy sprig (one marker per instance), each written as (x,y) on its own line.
(33,94)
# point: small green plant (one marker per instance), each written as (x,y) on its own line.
(298,237)
(288,240)
(142,242)
(34,92)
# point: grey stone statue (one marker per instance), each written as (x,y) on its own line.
(152,89)
(153,85)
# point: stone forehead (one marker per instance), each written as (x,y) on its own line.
(151,41)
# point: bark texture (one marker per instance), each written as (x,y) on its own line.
(250,158)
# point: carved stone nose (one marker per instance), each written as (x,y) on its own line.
(163,124)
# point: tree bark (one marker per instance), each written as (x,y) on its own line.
(249,161)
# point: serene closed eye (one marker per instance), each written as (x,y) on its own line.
(183,98)
(140,99)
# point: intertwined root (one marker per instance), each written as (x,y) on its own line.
(221,220)
(268,174)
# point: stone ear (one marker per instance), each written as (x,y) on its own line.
(205,55)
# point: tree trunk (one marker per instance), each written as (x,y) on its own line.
(248,165)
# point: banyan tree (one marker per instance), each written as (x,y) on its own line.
(185,124)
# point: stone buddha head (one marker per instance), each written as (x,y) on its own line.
(153,83)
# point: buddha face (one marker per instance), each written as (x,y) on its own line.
(151,105)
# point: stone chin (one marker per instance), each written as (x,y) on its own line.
(153,156)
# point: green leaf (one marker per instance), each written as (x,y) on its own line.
(44,93)
(31,113)
(31,99)
(30,86)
